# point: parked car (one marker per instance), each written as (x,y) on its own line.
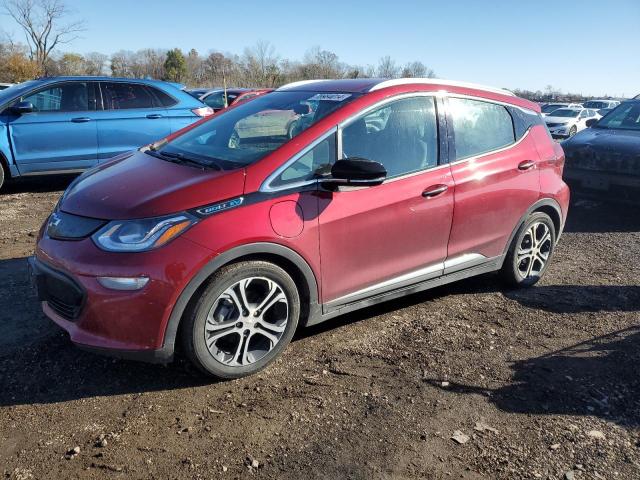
(604,160)
(600,104)
(221,98)
(63,124)
(197,92)
(566,122)
(603,111)
(547,108)
(218,244)
(4,86)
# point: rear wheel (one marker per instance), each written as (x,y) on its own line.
(530,251)
(1,175)
(243,320)
(572,131)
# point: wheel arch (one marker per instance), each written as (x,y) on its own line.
(289,260)
(545,205)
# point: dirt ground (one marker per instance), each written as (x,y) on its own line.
(539,383)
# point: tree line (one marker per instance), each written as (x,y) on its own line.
(257,66)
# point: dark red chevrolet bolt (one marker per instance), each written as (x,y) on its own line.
(314,200)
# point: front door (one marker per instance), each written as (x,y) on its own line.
(374,239)
(60,134)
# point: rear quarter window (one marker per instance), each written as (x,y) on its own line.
(163,99)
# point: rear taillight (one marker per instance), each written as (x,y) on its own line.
(203,111)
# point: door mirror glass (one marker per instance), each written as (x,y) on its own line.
(22,107)
(356,172)
(591,121)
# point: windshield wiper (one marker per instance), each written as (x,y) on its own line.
(182,158)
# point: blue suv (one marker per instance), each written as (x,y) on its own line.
(68,124)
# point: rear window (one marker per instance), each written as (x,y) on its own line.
(125,96)
(479,127)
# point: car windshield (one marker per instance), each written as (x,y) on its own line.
(624,117)
(550,108)
(565,112)
(16,90)
(596,105)
(245,134)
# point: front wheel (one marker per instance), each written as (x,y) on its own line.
(530,251)
(243,320)
(572,131)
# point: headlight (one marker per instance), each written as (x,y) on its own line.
(143,234)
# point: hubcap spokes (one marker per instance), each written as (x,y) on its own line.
(534,250)
(246,321)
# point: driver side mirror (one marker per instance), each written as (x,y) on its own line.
(356,172)
(591,122)
(22,107)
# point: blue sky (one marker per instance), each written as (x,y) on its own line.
(588,46)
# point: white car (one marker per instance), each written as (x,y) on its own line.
(550,107)
(566,122)
(600,104)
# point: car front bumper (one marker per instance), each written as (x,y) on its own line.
(122,323)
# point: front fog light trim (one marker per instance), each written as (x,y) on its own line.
(123,283)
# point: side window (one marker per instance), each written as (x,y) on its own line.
(315,163)
(65,97)
(479,127)
(164,99)
(123,96)
(402,135)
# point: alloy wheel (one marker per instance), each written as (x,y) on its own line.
(246,321)
(534,250)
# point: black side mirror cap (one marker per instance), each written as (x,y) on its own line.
(356,172)
(591,121)
(22,107)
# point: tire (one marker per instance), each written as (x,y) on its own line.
(572,131)
(1,175)
(527,261)
(225,342)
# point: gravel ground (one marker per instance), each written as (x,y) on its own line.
(467,381)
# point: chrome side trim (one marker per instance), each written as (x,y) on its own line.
(267,188)
(54,172)
(445,83)
(451,265)
(411,277)
(463,261)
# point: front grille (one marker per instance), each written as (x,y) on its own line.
(65,226)
(63,294)
(69,312)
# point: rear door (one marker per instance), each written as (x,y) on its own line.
(61,132)
(379,238)
(495,170)
(129,117)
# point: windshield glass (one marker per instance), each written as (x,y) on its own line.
(550,108)
(252,130)
(565,112)
(596,105)
(624,117)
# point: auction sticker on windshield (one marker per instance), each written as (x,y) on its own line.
(331,97)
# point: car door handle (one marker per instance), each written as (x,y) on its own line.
(81,120)
(434,191)
(526,165)
(154,116)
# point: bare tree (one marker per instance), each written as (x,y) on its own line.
(417,70)
(43,23)
(387,68)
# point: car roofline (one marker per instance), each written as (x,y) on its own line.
(382,83)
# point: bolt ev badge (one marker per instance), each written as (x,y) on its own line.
(219,207)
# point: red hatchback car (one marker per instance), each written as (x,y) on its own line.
(231,235)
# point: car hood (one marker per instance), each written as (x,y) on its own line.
(138,185)
(604,149)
